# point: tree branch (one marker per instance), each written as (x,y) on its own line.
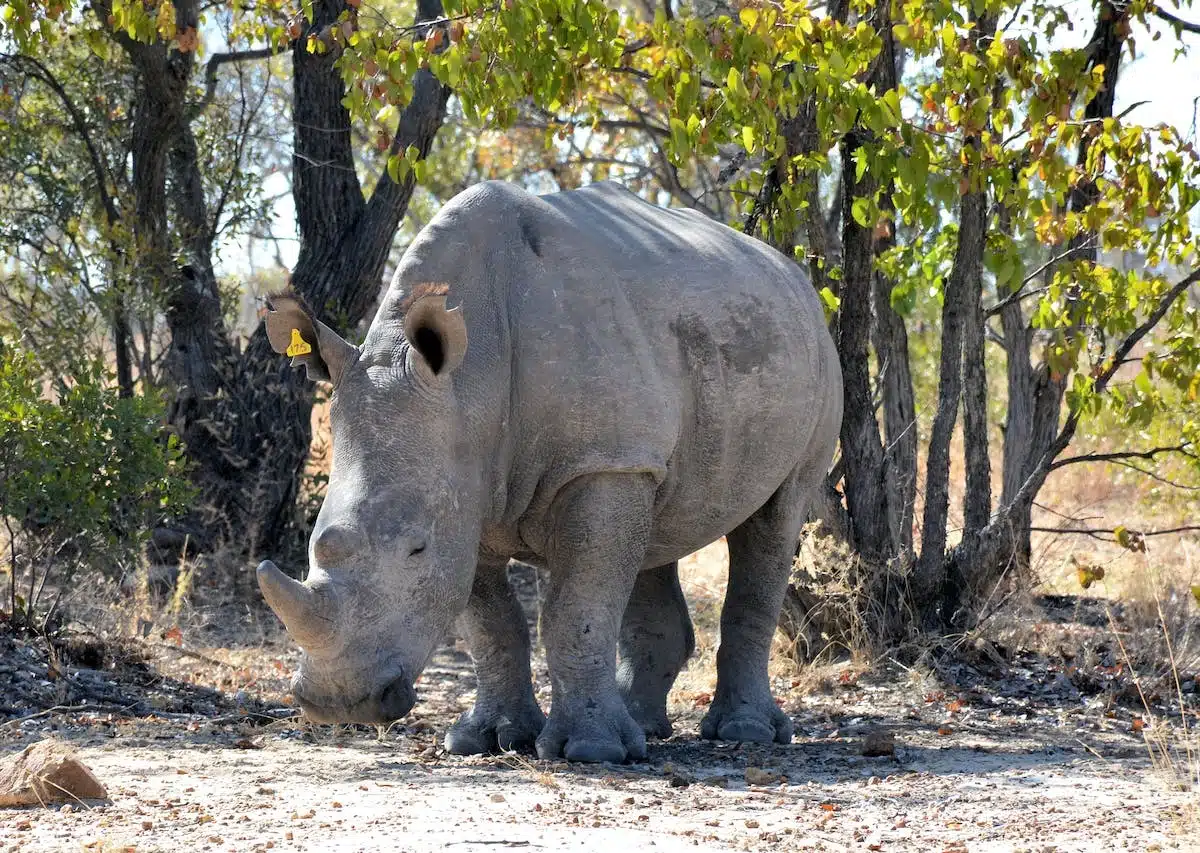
(44,74)
(1123,455)
(218,59)
(1063,439)
(1186,26)
(1019,293)
(1108,536)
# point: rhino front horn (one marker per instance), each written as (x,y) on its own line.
(296,604)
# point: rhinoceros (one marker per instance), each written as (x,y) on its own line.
(585,382)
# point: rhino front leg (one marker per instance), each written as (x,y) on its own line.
(597,543)
(506,715)
(761,553)
(656,641)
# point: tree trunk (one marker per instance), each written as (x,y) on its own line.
(962,320)
(895,372)
(877,487)
(1036,394)
(252,476)
(122,345)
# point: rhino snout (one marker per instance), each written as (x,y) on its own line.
(391,702)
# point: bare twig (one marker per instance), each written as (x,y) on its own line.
(218,59)
(1184,448)
(67,709)
(1020,293)
(1109,536)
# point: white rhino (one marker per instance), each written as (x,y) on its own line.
(615,386)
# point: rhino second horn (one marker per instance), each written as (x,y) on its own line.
(297,605)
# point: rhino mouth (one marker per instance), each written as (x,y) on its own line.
(381,707)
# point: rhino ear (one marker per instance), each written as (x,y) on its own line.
(437,334)
(293,330)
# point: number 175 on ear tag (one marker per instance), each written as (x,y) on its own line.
(298,346)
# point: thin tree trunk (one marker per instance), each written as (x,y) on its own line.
(122,344)
(862,446)
(867,494)
(895,372)
(1036,394)
(960,302)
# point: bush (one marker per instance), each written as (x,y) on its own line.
(84,476)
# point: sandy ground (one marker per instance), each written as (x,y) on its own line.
(969,793)
(1023,763)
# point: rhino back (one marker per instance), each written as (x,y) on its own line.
(637,339)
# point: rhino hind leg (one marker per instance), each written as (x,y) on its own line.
(761,553)
(656,641)
(597,543)
(506,714)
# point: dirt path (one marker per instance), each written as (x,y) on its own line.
(183,792)
(1020,754)
(981,773)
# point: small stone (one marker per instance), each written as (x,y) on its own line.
(497,798)
(759,776)
(47,772)
(879,743)
(751,824)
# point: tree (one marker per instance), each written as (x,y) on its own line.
(959,161)
(243,416)
(969,152)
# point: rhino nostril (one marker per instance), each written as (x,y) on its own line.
(397,699)
(334,544)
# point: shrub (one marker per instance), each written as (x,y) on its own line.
(84,476)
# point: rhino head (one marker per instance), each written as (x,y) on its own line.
(392,555)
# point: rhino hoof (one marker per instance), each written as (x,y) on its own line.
(653,723)
(595,751)
(592,738)
(747,726)
(479,734)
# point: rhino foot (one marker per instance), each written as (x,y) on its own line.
(653,720)
(592,732)
(746,722)
(479,732)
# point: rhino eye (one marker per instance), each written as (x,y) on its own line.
(419,549)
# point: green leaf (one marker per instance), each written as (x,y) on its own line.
(860,209)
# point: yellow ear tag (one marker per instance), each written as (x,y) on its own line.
(298,346)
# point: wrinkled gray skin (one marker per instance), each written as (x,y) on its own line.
(623,384)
